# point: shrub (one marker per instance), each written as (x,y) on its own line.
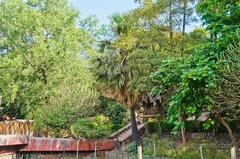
(114,111)
(97,127)
(154,125)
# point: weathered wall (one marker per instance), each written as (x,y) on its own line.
(11,140)
(16,127)
(10,144)
(23,145)
(37,144)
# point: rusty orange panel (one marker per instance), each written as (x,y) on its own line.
(58,144)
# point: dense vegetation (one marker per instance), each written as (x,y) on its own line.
(74,77)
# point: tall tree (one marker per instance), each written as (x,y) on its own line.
(124,67)
(226,96)
(223,23)
(43,58)
(114,73)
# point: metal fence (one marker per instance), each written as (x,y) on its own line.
(151,150)
(156,150)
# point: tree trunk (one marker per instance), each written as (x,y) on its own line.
(184,23)
(183,131)
(225,124)
(170,23)
(45,80)
(45,76)
(135,132)
(184,17)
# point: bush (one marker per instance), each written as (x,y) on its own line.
(97,127)
(114,111)
(153,126)
(54,123)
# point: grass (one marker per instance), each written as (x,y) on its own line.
(164,147)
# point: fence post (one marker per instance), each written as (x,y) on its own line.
(78,149)
(154,150)
(115,153)
(140,155)
(95,149)
(201,151)
(233,153)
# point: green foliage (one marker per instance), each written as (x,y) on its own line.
(208,124)
(56,122)
(132,148)
(152,126)
(223,23)
(155,126)
(96,127)
(191,126)
(114,111)
(40,65)
(45,75)
(222,20)
(123,68)
(226,95)
(189,79)
(44,71)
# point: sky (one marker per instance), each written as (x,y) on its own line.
(102,8)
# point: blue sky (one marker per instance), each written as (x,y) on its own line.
(102,8)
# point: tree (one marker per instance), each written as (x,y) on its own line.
(113,72)
(223,24)
(151,37)
(221,20)
(43,61)
(226,95)
(188,81)
(123,68)
(192,78)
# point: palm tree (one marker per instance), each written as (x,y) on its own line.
(113,71)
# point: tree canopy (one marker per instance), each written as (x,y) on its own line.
(44,62)
(54,66)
